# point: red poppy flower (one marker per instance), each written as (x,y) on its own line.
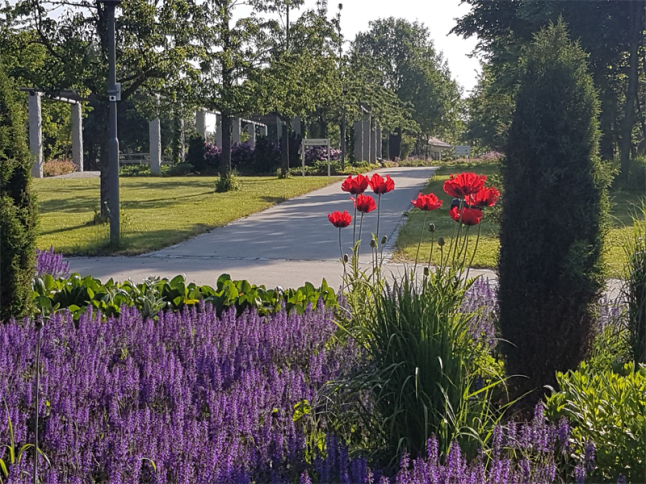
(427,202)
(356,185)
(365,203)
(339,219)
(381,185)
(464,184)
(470,216)
(487,197)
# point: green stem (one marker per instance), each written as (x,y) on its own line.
(378,214)
(475,249)
(421,236)
(360,226)
(430,259)
(354,227)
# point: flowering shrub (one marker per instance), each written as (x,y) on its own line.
(319,153)
(58,167)
(48,262)
(205,399)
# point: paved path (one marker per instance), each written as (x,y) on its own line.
(285,245)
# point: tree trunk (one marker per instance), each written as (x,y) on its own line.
(225,157)
(631,93)
(395,144)
(284,149)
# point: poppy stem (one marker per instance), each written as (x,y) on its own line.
(354,227)
(421,236)
(475,249)
(378,214)
(360,226)
(430,259)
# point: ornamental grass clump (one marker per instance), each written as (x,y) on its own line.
(188,398)
(551,233)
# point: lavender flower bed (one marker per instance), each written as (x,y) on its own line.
(528,453)
(206,399)
(48,262)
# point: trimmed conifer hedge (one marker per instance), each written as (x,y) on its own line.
(17,206)
(552,220)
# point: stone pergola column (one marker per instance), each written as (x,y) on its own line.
(279,129)
(373,146)
(366,137)
(296,125)
(154,134)
(237,131)
(200,122)
(358,141)
(77,135)
(36,134)
(250,128)
(380,154)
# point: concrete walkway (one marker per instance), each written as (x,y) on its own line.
(286,245)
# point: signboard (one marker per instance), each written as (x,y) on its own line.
(316,142)
(461,151)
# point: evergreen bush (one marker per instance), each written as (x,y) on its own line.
(553,215)
(17,206)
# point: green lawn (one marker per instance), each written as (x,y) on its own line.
(156,212)
(624,206)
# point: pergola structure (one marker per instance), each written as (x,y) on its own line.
(36,127)
(367,138)
(238,124)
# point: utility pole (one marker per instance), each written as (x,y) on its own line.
(114,95)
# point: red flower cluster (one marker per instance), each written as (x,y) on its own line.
(468,216)
(427,202)
(356,185)
(340,219)
(464,184)
(381,185)
(364,203)
(486,197)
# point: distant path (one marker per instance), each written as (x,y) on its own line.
(286,245)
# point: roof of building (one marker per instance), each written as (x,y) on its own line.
(438,143)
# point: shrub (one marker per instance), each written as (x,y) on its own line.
(608,409)
(202,156)
(58,167)
(550,270)
(17,206)
(266,156)
(242,157)
(635,288)
(227,182)
(181,169)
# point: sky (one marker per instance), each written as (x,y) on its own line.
(438,15)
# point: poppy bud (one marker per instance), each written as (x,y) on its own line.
(384,239)
(373,243)
(346,258)
(426,271)
(440,241)
(431,228)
